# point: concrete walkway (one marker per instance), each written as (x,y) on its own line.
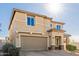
(47,53)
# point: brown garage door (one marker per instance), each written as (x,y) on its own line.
(33,43)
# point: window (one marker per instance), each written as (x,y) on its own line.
(58,27)
(30,21)
(51,25)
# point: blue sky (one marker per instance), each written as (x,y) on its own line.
(70,15)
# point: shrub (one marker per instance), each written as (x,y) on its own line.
(10,50)
(71,47)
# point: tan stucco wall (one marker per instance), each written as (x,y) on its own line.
(19,24)
(14,26)
(47,24)
(12,35)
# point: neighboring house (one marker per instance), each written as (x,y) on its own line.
(66,40)
(77,45)
(32,31)
(6,40)
(2,39)
(1,44)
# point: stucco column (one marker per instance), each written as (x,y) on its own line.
(18,41)
(62,42)
(53,42)
(48,42)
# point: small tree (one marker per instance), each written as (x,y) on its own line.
(10,50)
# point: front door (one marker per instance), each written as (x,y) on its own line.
(58,42)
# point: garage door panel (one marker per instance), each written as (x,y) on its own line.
(34,43)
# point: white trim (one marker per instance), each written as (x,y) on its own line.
(47,42)
(33,35)
(19,41)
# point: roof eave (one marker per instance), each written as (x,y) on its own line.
(58,22)
(12,16)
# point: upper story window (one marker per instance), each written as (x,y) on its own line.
(30,20)
(58,27)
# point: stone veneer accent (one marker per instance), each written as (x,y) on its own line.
(54,48)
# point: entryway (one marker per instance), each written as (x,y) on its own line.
(57,42)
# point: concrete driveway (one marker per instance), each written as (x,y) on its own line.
(47,53)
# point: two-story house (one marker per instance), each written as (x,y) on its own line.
(32,31)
